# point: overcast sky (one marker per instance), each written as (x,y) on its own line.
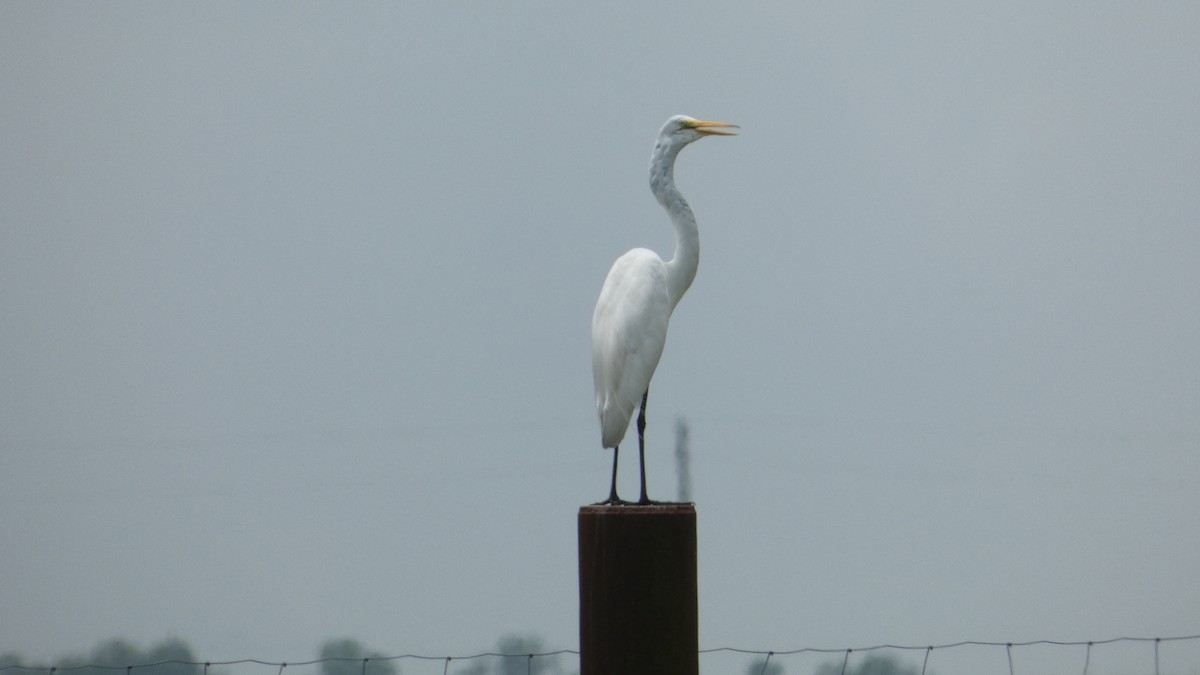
(296,305)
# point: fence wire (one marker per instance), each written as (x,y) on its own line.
(203,667)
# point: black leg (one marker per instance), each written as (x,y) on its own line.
(613,499)
(641,427)
(612,491)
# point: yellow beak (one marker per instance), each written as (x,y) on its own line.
(713,128)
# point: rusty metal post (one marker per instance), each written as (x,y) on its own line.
(638,608)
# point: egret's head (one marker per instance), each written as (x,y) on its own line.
(682,129)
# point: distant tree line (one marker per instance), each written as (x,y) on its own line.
(875,664)
(345,656)
(341,656)
(116,653)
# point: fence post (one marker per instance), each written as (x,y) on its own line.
(638,608)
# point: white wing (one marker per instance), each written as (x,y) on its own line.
(629,329)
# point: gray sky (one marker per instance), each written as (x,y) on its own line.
(297,297)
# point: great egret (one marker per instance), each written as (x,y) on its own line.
(629,327)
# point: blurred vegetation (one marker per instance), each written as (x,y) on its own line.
(871,665)
(341,656)
(344,656)
(874,664)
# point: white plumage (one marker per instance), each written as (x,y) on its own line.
(629,327)
(629,330)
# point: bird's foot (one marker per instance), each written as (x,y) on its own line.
(613,501)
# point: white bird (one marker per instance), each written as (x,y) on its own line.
(629,327)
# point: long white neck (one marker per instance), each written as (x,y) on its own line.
(681,268)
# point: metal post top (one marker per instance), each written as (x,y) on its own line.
(662,509)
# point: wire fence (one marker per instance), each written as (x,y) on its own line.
(1190,663)
(721,659)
